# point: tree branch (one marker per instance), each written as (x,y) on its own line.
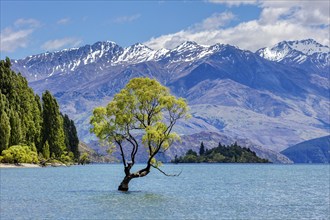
(121,151)
(135,145)
(166,173)
(140,120)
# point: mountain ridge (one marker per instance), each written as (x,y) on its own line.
(308,53)
(284,102)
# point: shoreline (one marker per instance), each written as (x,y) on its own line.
(22,165)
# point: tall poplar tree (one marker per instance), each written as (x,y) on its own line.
(4,130)
(16,129)
(71,137)
(52,129)
(37,112)
(4,123)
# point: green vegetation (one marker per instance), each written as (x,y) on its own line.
(71,136)
(32,123)
(84,159)
(143,107)
(221,154)
(19,154)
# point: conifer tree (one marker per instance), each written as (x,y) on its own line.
(4,130)
(52,129)
(66,128)
(37,112)
(202,149)
(74,140)
(4,123)
(16,129)
(45,150)
(71,137)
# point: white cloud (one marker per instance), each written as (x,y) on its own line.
(32,23)
(234,2)
(215,21)
(17,36)
(193,33)
(301,12)
(61,43)
(63,21)
(13,39)
(126,19)
(278,21)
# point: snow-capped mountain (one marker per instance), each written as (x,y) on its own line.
(308,53)
(49,64)
(136,53)
(107,54)
(275,97)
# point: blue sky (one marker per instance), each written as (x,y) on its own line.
(33,27)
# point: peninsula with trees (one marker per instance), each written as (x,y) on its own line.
(222,154)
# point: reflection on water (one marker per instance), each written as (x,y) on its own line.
(214,191)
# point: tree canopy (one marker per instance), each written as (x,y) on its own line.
(143,107)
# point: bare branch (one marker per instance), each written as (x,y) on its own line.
(141,173)
(121,152)
(166,173)
(134,143)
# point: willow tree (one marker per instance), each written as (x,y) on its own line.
(146,108)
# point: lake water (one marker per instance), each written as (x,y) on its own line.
(202,191)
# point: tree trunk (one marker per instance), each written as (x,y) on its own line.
(124,184)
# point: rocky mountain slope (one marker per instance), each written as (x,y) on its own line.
(275,97)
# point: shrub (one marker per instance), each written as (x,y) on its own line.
(19,154)
(67,158)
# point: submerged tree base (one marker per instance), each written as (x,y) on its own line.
(122,188)
(124,185)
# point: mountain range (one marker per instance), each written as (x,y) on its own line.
(274,97)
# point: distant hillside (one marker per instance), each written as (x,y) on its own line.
(95,156)
(313,151)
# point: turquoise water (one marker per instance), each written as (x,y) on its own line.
(202,191)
